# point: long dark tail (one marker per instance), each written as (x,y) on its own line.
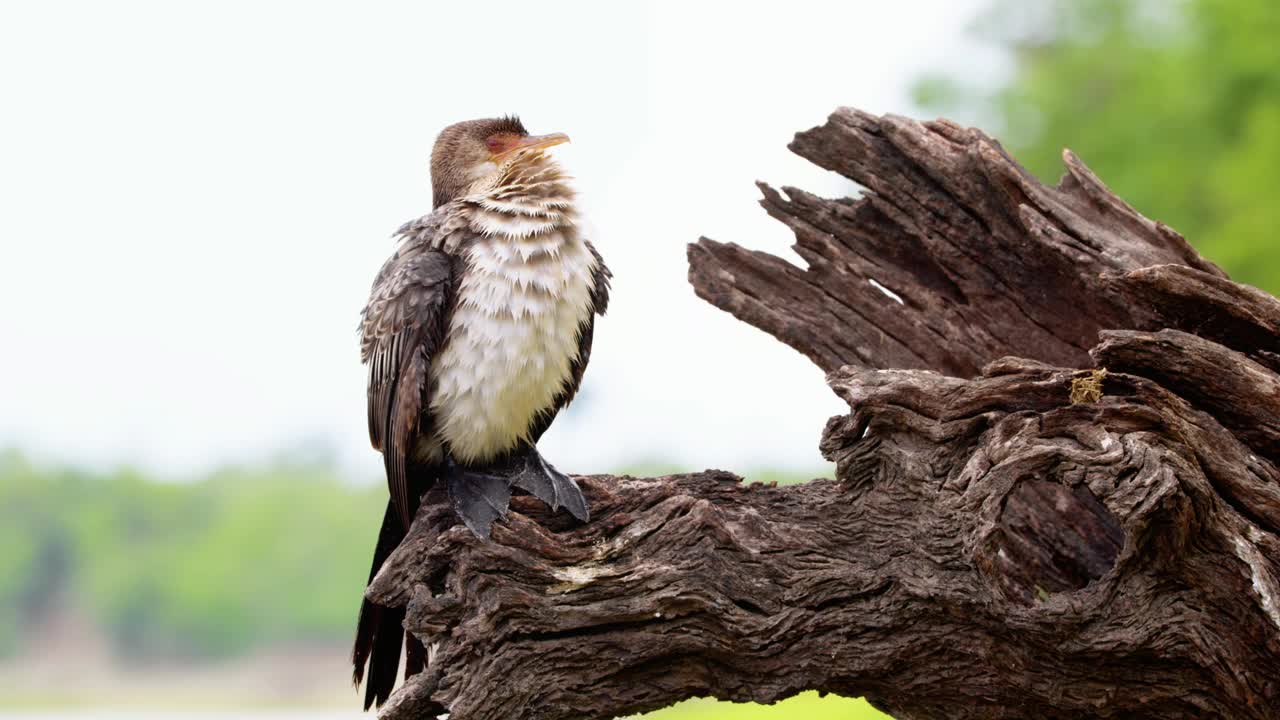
(379,630)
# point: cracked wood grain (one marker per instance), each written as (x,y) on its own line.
(986,260)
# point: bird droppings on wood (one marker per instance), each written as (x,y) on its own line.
(1264,583)
(575,577)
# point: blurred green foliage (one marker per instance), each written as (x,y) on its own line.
(238,560)
(1175,104)
(209,568)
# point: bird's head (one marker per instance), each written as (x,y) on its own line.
(475,155)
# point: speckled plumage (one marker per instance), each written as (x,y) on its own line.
(479,326)
(476,334)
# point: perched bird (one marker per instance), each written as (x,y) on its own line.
(476,334)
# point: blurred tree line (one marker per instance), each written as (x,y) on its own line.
(209,568)
(238,560)
(1175,104)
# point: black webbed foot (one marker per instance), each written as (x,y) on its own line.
(482,495)
(537,476)
(477,497)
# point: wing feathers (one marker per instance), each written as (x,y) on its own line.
(404,413)
(403,326)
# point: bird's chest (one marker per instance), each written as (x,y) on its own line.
(512,340)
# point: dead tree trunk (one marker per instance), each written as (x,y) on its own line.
(1091,530)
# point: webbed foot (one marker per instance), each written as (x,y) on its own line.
(477,497)
(538,477)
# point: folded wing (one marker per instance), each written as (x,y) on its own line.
(403,327)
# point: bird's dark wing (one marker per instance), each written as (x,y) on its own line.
(403,326)
(586,332)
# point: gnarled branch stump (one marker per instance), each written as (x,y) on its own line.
(1091,529)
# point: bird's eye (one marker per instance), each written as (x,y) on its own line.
(495,144)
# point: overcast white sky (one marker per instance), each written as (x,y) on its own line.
(196,198)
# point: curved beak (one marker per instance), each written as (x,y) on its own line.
(538,142)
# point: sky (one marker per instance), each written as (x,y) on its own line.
(197,197)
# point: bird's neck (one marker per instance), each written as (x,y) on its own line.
(532,199)
(535,186)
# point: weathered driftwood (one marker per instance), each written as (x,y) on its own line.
(988,549)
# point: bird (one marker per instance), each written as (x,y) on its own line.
(477,332)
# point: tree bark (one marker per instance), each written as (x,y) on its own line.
(1091,529)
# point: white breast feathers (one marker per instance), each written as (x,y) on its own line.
(515,329)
